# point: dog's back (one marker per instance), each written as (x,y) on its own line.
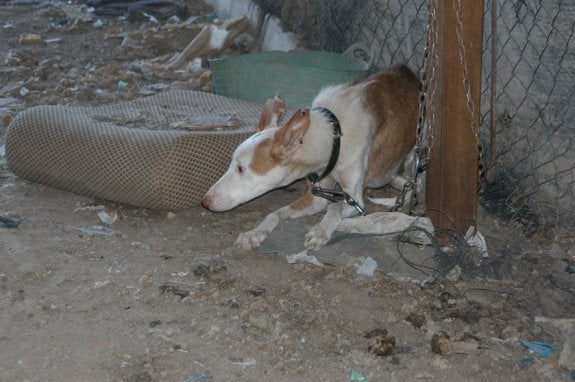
(393,98)
(380,113)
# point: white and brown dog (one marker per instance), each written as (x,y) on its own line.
(358,135)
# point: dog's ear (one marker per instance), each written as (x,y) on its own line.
(272,111)
(290,136)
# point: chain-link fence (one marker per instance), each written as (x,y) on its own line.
(527,95)
(531,103)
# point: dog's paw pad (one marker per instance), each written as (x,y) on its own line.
(316,238)
(250,239)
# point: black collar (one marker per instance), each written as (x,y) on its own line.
(332,195)
(334,122)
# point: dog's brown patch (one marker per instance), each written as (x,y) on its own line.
(263,160)
(305,201)
(392,97)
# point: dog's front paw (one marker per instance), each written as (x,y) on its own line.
(250,239)
(316,238)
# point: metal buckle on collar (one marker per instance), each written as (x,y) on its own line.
(337,196)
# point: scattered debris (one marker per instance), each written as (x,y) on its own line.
(454,274)
(30,39)
(303,257)
(476,240)
(108,218)
(354,376)
(101,284)
(563,331)
(440,343)
(256,290)
(243,361)
(381,344)
(416,319)
(171,289)
(542,349)
(366,266)
(6,222)
(525,362)
(207,266)
(211,39)
(196,377)
(97,230)
(414,228)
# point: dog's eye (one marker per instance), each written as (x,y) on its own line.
(240,169)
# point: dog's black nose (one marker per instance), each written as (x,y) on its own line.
(207,202)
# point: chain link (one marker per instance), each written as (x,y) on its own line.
(467,87)
(424,134)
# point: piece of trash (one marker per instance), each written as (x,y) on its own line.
(53,40)
(6,222)
(97,230)
(170,289)
(98,24)
(525,362)
(217,122)
(542,349)
(90,208)
(367,267)
(569,268)
(108,218)
(475,239)
(30,39)
(415,229)
(563,331)
(198,376)
(122,84)
(354,376)
(303,257)
(24,91)
(454,274)
(151,18)
(100,284)
(244,362)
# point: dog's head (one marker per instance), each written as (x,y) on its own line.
(264,161)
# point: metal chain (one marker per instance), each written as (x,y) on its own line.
(424,130)
(467,86)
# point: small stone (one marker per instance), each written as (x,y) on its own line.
(144,281)
(440,343)
(30,39)
(256,290)
(382,346)
(417,320)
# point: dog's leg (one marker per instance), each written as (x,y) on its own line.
(320,234)
(306,205)
(397,182)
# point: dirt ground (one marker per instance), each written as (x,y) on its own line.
(163,296)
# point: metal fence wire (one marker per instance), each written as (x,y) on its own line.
(527,125)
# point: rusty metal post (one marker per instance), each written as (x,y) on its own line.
(451,188)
